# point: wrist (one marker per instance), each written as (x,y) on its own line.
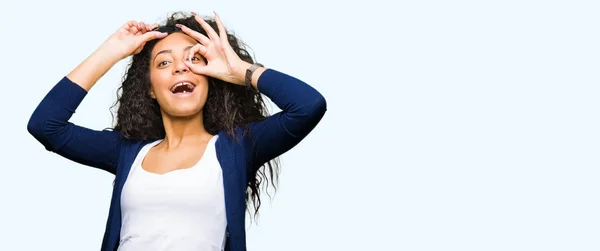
(110,52)
(88,72)
(240,73)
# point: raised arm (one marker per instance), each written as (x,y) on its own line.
(302,109)
(302,106)
(49,123)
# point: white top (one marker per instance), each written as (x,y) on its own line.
(181,210)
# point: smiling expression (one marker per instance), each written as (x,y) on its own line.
(179,91)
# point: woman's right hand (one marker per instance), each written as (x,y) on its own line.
(130,38)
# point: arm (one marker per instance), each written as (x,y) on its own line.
(49,123)
(302,106)
(302,109)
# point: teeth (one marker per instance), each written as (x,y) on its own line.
(182,83)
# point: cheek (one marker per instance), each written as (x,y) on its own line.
(158,82)
(204,91)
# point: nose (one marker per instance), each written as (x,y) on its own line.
(180,67)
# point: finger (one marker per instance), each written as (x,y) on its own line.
(133,29)
(225,46)
(129,24)
(194,34)
(140,30)
(152,35)
(150,27)
(199,49)
(127,27)
(146,27)
(209,30)
(197,68)
(141,26)
(222,31)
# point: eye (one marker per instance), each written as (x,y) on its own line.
(163,63)
(198,59)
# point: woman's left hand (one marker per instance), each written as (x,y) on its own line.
(222,61)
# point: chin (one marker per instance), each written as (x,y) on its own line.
(187,109)
(182,111)
(183,105)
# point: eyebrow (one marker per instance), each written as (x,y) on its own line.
(170,51)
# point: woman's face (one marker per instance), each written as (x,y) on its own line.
(179,91)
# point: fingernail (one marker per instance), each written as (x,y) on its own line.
(194,13)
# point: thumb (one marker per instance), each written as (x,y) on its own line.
(196,68)
(152,35)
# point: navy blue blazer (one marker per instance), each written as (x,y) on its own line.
(302,109)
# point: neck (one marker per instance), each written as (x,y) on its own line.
(183,131)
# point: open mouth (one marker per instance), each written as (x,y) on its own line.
(183,88)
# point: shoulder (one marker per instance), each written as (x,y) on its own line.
(240,140)
(131,146)
(136,145)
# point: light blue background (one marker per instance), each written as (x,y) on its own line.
(452,125)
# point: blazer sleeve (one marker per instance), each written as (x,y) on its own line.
(302,108)
(50,125)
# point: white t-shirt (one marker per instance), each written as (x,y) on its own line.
(181,210)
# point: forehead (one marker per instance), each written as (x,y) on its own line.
(175,41)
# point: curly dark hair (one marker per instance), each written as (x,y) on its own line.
(228,106)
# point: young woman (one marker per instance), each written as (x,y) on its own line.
(192,142)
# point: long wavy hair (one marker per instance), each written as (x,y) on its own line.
(228,106)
